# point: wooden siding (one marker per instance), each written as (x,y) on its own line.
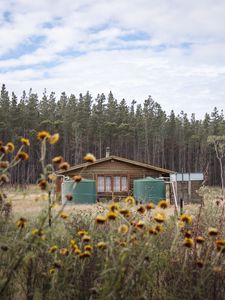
(114,168)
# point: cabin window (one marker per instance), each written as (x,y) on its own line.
(109,183)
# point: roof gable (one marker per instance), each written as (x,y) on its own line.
(121,159)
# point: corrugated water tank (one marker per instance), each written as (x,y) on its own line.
(83,192)
(149,189)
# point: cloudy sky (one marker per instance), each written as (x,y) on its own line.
(173,50)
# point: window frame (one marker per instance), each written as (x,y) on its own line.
(112,183)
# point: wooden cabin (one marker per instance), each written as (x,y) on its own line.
(114,175)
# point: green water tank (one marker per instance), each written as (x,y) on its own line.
(149,189)
(83,192)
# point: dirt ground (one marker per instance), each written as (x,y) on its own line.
(30,202)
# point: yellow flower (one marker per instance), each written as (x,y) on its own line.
(72,243)
(53,139)
(150,206)
(77,178)
(220,243)
(53,249)
(152,231)
(25,142)
(21,223)
(64,215)
(77,251)
(42,135)
(140,224)
(57,159)
(125,212)
(111,215)
(88,248)
(123,229)
(188,242)
(163,204)
(22,155)
(200,263)
(64,166)
(42,184)
(82,233)
(130,200)
(10,147)
(187,234)
(159,228)
(100,219)
(113,207)
(52,176)
(85,254)
(212,231)
(89,158)
(69,197)
(64,251)
(4,164)
(102,245)
(199,239)
(51,271)
(186,219)
(38,232)
(86,238)
(4,178)
(160,217)
(141,209)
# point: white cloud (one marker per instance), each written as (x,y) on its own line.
(181,64)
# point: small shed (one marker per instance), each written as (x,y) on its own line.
(186,186)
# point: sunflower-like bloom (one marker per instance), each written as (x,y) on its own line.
(141,209)
(186,219)
(159,228)
(130,200)
(10,147)
(123,229)
(187,234)
(86,238)
(64,251)
(200,263)
(149,206)
(188,242)
(199,239)
(43,135)
(140,224)
(38,232)
(114,207)
(89,158)
(64,166)
(220,243)
(21,223)
(160,217)
(4,164)
(4,178)
(53,249)
(77,178)
(85,254)
(25,141)
(88,248)
(57,160)
(125,212)
(152,231)
(77,251)
(100,219)
(111,215)
(42,183)
(51,271)
(102,245)
(22,155)
(64,215)
(82,233)
(53,139)
(163,204)
(213,231)
(69,197)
